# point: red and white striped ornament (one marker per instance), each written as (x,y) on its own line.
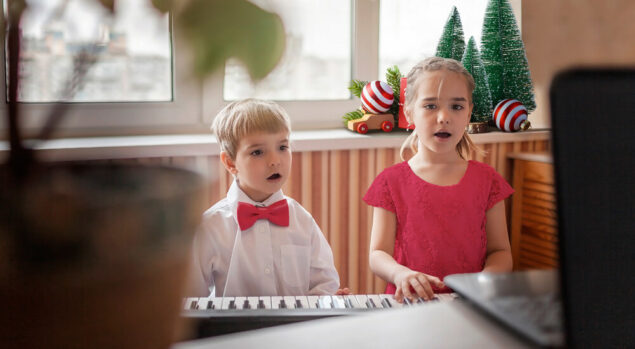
(377,97)
(510,115)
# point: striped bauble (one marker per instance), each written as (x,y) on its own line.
(510,115)
(377,97)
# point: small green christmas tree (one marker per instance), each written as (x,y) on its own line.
(481,96)
(503,54)
(452,42)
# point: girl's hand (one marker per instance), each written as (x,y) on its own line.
(409,280)
(343,291)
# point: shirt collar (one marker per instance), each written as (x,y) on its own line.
(235,195)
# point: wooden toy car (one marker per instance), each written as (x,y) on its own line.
(384,122)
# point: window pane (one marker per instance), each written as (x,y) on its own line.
(316,64)
(132,49)
(410,29)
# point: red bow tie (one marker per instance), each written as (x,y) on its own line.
(277,213)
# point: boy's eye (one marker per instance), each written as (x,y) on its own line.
(284,147)
(457,107)
(256,152)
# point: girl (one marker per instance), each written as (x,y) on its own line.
(437,213)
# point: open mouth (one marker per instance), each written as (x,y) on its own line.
(274,176)
(443,134)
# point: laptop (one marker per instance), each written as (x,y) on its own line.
(593,119)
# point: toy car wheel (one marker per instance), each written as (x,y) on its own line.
(362,128)
(386,126)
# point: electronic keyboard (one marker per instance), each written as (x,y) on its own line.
(212,316)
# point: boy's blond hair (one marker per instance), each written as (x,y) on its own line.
(465,145)
(246,116)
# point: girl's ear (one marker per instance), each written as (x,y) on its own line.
(227,161)
(407,112)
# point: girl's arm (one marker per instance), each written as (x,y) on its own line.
(382,263)
(499,256)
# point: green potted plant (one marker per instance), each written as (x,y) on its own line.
(95,254)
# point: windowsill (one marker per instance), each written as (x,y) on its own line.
(205,144)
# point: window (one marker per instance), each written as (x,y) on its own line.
(330,42)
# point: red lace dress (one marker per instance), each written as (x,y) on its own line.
(440,229)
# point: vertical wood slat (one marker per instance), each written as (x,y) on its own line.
(330,185)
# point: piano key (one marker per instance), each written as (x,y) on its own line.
(264,303)
(446,296)
(313,301)
(338,302)
(215,303)
(352,301)
(239,302)
(362,300)
(253,302)
(375,300)
(390,300)
(304,301)
(202,303)
(275,302)
(190,303)
(226,301)
(290,302)
(325,302)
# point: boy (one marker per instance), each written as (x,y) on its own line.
(257,241)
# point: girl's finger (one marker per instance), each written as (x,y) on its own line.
(426,290)
(436,281)
(399,295)
(405,288)
(419,285)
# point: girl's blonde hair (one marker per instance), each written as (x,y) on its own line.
(247,116)
(465,145)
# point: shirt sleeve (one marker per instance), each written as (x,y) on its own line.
(499,190)
(324,279)
(378,195)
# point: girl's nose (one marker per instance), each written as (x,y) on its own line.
(443,117)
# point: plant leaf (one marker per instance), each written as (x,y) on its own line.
(108,4)
(220,29)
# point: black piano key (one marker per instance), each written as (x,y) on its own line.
(210,305)
(298,304)
(261,304)
(194,304)
(370,303)
(348,303)
(420,300)
(386,303)
(407,301)
(232,305)
(282,305)
(246,305)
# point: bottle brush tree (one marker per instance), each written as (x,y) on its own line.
(481,96)
(452,42)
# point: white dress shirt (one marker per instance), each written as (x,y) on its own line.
(264,260)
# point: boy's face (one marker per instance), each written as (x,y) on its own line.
(262,164)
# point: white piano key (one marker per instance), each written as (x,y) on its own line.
(313,301)
(202,303)
(275,302)
(289,301)
(353,301)
(266,301)
(190,303)
(338,302)
(376,300)
(325,302)
(444,297)
(361,300)
(253,302)
(240,302)
(304,301)
(216,303)
(391,300)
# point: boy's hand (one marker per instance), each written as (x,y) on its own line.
(343,291)
(410,280)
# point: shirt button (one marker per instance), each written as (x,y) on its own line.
(267,270)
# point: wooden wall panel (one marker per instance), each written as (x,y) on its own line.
(331,184)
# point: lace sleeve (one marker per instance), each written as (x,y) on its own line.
(379,194)
(499,189)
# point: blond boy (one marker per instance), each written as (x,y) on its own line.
(257,241)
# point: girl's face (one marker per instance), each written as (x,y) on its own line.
(440,111)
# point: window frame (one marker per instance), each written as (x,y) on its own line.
(196,102)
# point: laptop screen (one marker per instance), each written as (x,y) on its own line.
(593,125)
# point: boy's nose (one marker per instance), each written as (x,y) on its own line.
(274,160)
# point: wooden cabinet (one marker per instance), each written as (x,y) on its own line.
(533,222)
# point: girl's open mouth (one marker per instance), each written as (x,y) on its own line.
(274,176)
(443,134)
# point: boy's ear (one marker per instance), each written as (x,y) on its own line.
(227,161)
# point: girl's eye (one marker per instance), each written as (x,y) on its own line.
(429,106)
(256,152)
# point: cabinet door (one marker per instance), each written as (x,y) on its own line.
(534,230)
